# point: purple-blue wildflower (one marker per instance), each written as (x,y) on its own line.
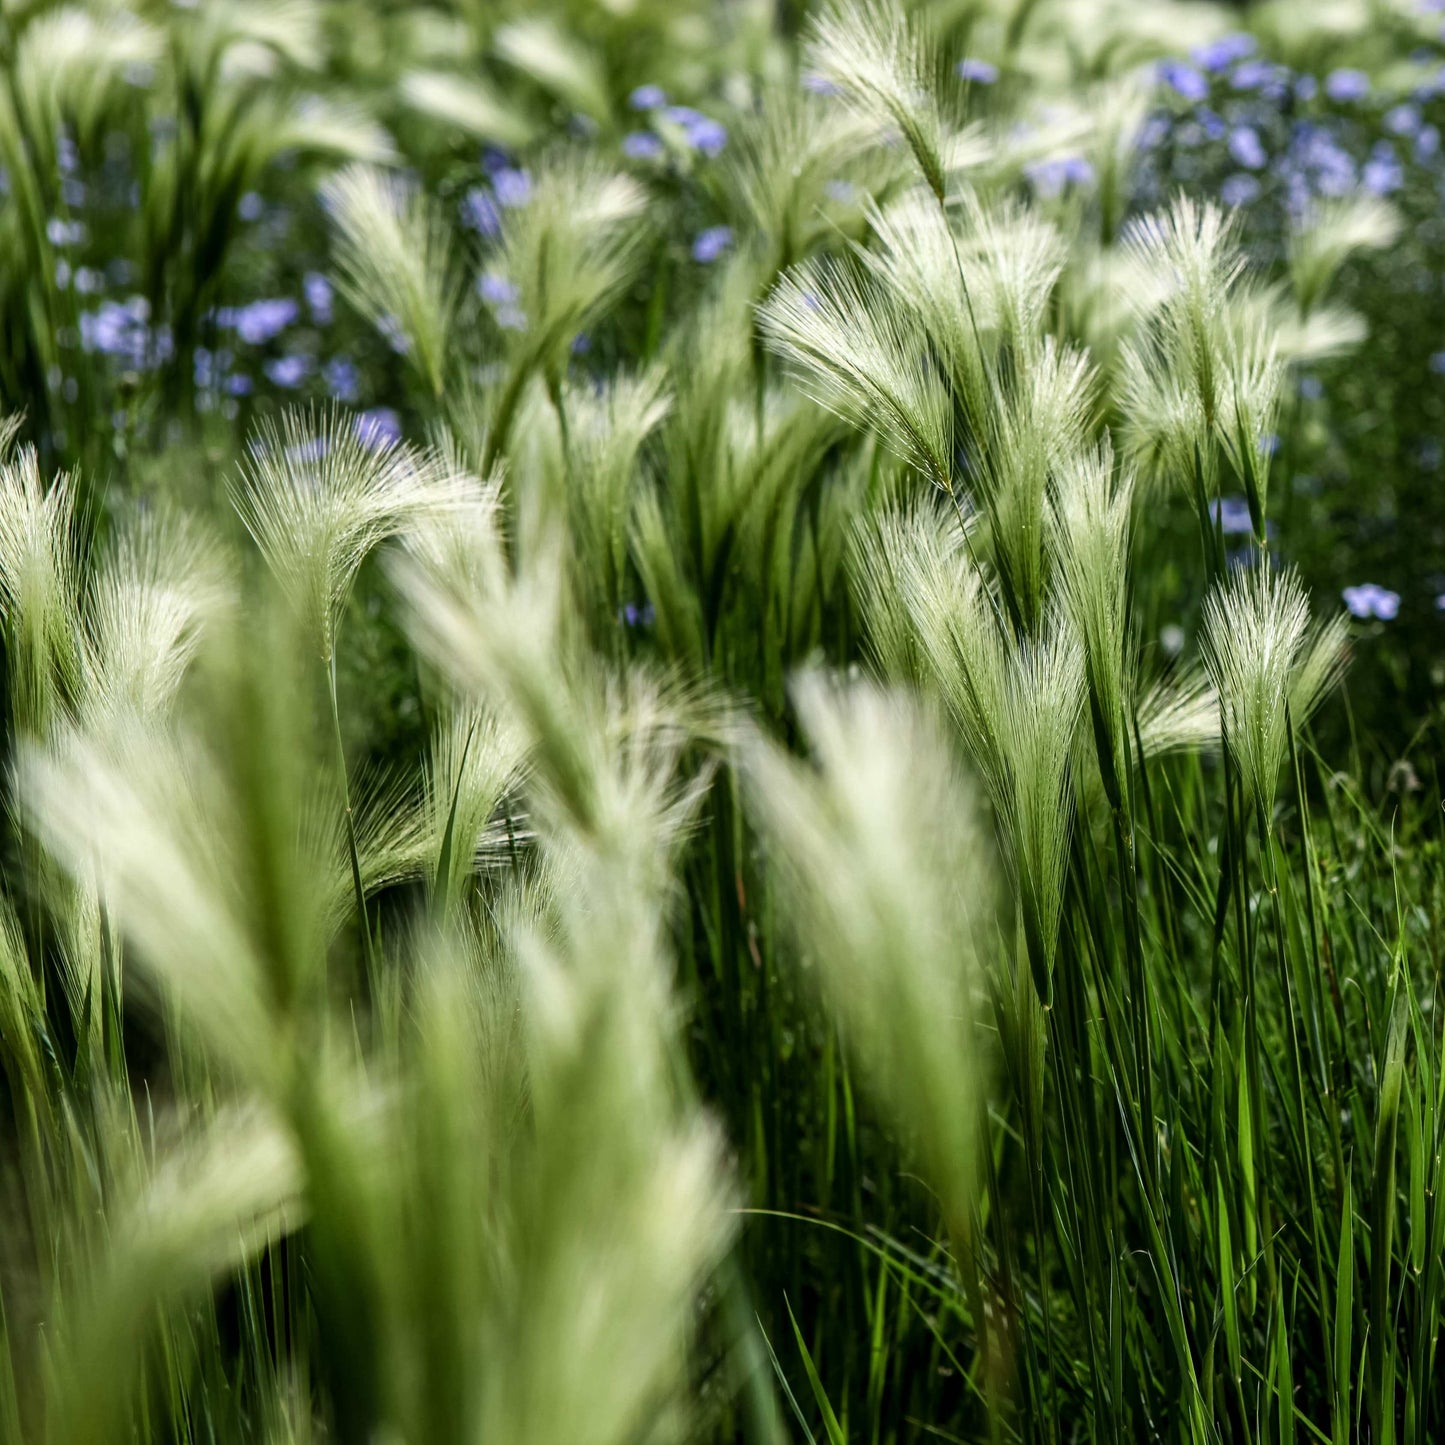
(1347,84)
(642,145)
(1184,80)
(1240,189)
(701,132)
(289,371)
(1368,599)
(317,290)
(379,427)
(342,379)
(250,206)
(1232,515)
(647,97)
(496,290)
(1052,176)
(1403,119)
(1247,148)
(1222,53)
(259,321)
(1383,173)
(513,186)
(479,211)
(982,72)
(1254,75)
(708,245)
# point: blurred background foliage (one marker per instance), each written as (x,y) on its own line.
(211,211)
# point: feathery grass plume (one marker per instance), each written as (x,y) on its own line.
(621,1196)
(1253,380)
(39,590)
(866,357)
(1013,257)
(1038,716)
(1016,705)
(317,499)
(566,256)
(872,52)
(890,878)
(144,821)
(323,128)
(606,430)
(209,1205)
(1038,424)
(1191,248)
(919,262)
(1178,713)
(463,544)
(556,60)
(69,64)
(1119,108)
(897,557)
(782,162)
(466,103)
(216,33)
(147,604)
(1089,521)
(571,250)
(396,264)
(1256,648)
(1320,668)
(476,760)
(1163,428)
(1327,233)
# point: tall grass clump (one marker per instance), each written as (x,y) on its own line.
(673,754)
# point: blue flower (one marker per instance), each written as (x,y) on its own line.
(64,233)
(512,185)
(1246,148)
(980,71)
(641,145)
(317,290)
(1253,75)
(496,290)
(239,384)
(647,97)
(259,321)
(480,212)
(1311,388)
(581,344)
(1305,87)
(1222,53)
(250,206)
(1184,80)
(342,379)
(379,427)
(1383,172)
(1402,119)
(1232,515)
(1344,85)
(1427,143)
(1437,363)
(841,191)
(820,84)
(1239,189)
(1214,126)
(700,131)
(289,371)
(1370,600)
(708,245)
(1051,177)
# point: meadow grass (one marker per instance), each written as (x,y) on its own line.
(669,886)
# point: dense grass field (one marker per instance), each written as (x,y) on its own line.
(721,721)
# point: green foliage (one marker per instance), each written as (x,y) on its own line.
(681,886)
